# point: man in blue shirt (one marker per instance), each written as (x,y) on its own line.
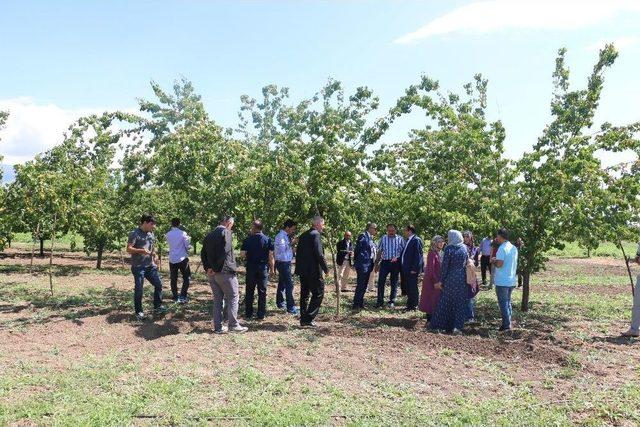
(283,254)
(485,259)
(390,250)
(506,266)
(257,249)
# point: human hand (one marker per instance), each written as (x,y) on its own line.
(211,273)
(438,286)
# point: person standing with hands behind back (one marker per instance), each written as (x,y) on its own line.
(310,266)
(219,261)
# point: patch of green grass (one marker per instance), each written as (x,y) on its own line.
(606,249)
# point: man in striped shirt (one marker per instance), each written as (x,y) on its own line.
(390,250)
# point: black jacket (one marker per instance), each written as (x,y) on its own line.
(343,248)
(310,255)
(217,251)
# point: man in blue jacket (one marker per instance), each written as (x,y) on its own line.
(365,255)
(412,263)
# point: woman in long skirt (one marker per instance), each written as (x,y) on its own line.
(453,308)
(430,296)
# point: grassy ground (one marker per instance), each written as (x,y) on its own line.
(79,358)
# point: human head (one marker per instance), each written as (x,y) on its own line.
(468,237)
(391,230)
(454,238)
(371,228)
(289,226)
(347,235)
(227,221)
(436,244)
(409,230)
(502,235)
(147,223)
(256,226)
(318,223)
(175,222)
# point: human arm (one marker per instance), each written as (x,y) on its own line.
(319,254)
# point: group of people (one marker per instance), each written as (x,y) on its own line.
(448,288)
(449,282)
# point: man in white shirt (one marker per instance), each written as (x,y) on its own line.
(634,330)
(283,255)
(179,245)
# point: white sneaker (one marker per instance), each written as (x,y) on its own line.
(140,316)
(223,330)
(239,329)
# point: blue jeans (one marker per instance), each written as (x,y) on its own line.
(151,274)
(285,286)
(388,268)
(504,302)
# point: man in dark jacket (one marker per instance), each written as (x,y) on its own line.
(219,261)
(365,255)
(310,266)
(412,261)
(344,260)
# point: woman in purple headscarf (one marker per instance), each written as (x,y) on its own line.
(430,296)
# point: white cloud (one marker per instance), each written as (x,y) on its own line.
(621,43)
(34,127)
(485,17)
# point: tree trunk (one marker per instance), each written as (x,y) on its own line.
(526,276)
(100,252)
(41,247)
(53,239)
(195,248)
(33,248)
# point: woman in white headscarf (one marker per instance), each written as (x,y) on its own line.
(453,308)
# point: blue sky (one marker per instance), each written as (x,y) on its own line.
(63,59)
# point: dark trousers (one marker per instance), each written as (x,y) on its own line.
(403,285)
(257,277)
(185,271)
(485,266)
(151,274)
(411,283)
(362,282)
(285,286)
(309,309)
(388,268)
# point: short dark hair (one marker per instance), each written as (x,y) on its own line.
(503,232)
(289,223)
(370,225)
(392,225)
(411,228)
(257,224)
(147,218)
(175,222)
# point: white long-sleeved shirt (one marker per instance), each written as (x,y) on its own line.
(179,244)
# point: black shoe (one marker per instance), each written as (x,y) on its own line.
(378,306)
(409,310)
(503,329)
(311,324)
(260,318)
